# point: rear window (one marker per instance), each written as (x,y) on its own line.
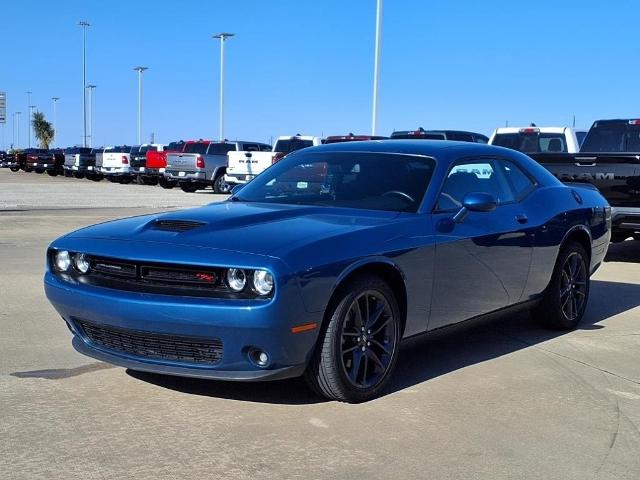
(264,147)
(199,148)
(460,137)
(612,137)
(221,148)
(532,142)
(417,136)
(175,147)
(76,150)
(292,144)
(120,149)
(580,138)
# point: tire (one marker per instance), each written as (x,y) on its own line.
(220,186)
(565,299)
(149,181)
(189,187)
(95,178)
(164,183)
(14,169)
(351,364)
(52,173)
(39,171)
(125,180)
(78,175)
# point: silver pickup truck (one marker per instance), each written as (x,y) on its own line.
(79,161)
(200,164)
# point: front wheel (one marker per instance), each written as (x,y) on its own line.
(358,348)
(164,183)
(565,299)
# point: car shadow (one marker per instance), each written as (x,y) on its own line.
(428,356)
(627,251)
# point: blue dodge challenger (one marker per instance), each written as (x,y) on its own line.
(324,262)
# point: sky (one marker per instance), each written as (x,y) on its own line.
(298,66)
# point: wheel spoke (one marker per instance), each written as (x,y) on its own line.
(350,349)
(373,319)
(350,334)
(355,366)
(373,356)
(381,346)
(384,324)
(358,313)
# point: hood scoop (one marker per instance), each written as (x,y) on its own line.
(176,225)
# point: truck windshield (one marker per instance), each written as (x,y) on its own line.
(532,142)
(372,181)
(291,145)
(612,137)
(199,148)
(123,149)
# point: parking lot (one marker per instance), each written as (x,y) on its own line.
(503,399)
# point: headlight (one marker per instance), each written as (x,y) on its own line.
(82,263)
(236,279)
(63,260)
(262,282)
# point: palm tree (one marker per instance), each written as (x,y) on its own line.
(43,130)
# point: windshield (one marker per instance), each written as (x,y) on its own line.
(532,142)
(291,145)
(612,137)
(123,149)
(373,181)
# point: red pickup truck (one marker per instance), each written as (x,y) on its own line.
(157,162)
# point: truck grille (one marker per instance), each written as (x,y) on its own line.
(152,345)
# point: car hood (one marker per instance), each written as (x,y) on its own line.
(263,229)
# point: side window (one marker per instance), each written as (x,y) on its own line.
(250,147)
(466,176)
(520,183)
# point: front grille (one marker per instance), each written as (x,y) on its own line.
(153,345)
(177,225)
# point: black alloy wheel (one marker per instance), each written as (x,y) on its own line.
(358,347)
(565,299)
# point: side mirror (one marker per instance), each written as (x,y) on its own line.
(475,202)
(236,188)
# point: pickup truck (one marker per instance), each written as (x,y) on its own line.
(202,163)
(42,160)
(422,134)
(534,139)
(157,163)
(609,159)
(138,162)
(79,161)
(351,138)
(245,164)
(113,164)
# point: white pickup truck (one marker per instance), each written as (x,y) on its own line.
(534,139)
(243,166)
(114,164)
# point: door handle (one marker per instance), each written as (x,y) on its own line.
(522,219)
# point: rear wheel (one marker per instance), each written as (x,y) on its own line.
(566,296)
(220,185)
(125,180)
(52,173)
(149,180)
(78,175)
(164,183)
(14,169)
(358,348)
(190,187)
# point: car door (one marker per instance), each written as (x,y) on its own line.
(482,262)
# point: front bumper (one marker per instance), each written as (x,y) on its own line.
(241,325)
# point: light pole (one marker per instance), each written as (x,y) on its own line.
(222,36)
(376,67)
(55,123)
(31,107)
(29,120)
(90,88)
(140,69)
(84,24)
(16,128)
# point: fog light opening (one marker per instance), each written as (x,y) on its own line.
(260,358)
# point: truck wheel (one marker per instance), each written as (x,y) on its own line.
(164,183)
(358,348)
(149,180)
(52,173)
(95,177)
(14,169)
(220,185)
(189,187)
(566,296)
(125,180)
(78,175)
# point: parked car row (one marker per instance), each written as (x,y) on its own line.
(607,156)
